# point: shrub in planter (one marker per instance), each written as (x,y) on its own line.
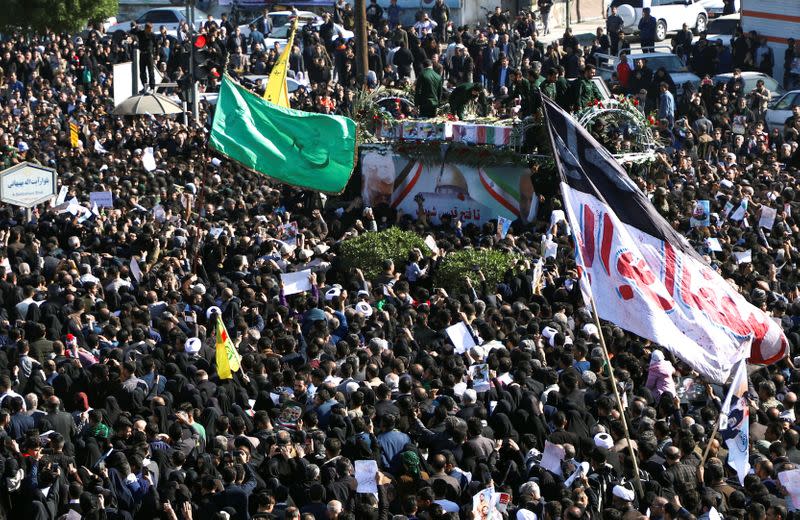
(368,250)
(457,266)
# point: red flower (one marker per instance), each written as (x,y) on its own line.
(635,102)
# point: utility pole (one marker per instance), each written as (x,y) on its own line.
(362,61)
(193,93)
(135,87)
(568,13)
(188,103)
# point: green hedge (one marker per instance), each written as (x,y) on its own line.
(458,265)
(368,250)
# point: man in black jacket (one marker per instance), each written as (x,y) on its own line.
(236,495)
(441,15)
(147,45)
(61,422)
(231,309)
(788,57)
(374,13)
(403,60)
(461,66)
(264,24)
(641,77)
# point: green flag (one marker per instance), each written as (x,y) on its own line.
(303,149)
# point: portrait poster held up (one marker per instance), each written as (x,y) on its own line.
(484,505)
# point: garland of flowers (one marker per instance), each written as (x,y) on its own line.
(627,104)
(370,110)
(385,107)
(620,112)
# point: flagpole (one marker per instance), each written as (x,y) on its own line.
(636,479)
(710,440)
(588,292)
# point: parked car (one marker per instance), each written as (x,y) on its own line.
(607,65)
(723,28)
(281,25)
(750,80)
(169,17)
(715,7)
(781,110)
(282,18)
(670,15)
(279,35)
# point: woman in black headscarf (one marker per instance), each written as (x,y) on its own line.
(161,412)
(209,420)
(48,316)
(528,418)
(175,379)
(111,410)
(223,401)
(503,429)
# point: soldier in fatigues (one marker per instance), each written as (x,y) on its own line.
(583,90)
(553,88)
(428,91)
(521,88)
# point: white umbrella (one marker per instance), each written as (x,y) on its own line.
(150,103)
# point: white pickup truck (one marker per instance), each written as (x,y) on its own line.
(607,65)
(670,15)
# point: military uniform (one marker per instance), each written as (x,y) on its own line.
(556,90)
(584,91)
(428,93)
(529,100)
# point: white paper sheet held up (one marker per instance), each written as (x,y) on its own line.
(743,257)
(366,471)
(791,481)
(148,159)
(552,457)
(713,244)
(767,219)
(136,271)
(296,282)
(431,243)
(460,336)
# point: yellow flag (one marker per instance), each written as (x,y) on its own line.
(277,92)
(73,135)
(227,357)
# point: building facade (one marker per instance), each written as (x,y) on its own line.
(777,20)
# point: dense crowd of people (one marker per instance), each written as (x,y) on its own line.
(110,401)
